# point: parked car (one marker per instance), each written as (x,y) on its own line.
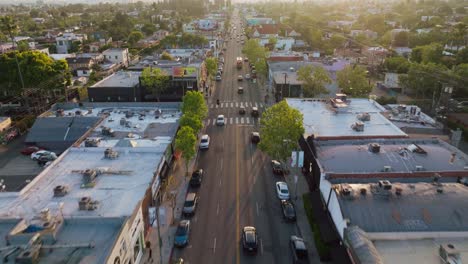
(299,250)
(30,150)
(282,190)
(255,112)
(218,77)
(255,137)
(190,204)
(240,90)
(181,238)
(240,78)
(289,212)
(204,142)
(277,167)
(197,177)
(246,59)
(36,155)
(242,110)
(249,239)
(247,76)
(220,120)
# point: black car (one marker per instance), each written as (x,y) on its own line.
(277,167)
(254,112)
(249,239)
(242,110)
(196,179)
(289,212)
(255,138)
(299,250)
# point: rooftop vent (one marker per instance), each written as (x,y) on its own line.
(107,131)
(45,215)
(387,168)
(398,191)
(419,168)
(86,204)
(449,254)
(110,154)
(123,121)
(92,142)
(364,117)
(363,191)
(416,149)
(374,147)
(358,126)
(346,191)
(29,256)
(60,190)
(385,185)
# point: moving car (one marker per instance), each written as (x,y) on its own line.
(190,204)
(36,155)
(255,137)
(249,239)
(282,190)
(246,59)
(197,177)
(277,167)
(247,76)
(299,250)
(242,110)
(220,120)
(30,150)
(240,78)
(205,142)
(254,112)
(240,90)
(218,77)
(289,212)
(181,238)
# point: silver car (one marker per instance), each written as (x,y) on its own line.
(190,204)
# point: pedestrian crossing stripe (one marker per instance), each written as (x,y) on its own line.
(237,105)
(235,121)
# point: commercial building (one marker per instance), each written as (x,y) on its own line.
(93,204)
(122,86)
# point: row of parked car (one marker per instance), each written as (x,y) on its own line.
(40,155)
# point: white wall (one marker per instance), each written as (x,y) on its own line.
(333,205)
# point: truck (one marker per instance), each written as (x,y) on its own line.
(239,63)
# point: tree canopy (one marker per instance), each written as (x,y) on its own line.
(185,142)
(281,127)
(193,103)
(397,64)
(134,37)
(155,80)
(191,121)
(211,66)
(314,79)
(353,81)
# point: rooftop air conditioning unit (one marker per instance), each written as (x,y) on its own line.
(110,154)
(29,256)
(92,142)
(387,168)
(86,204)
(89,175)
(374,147)
(358,126)
(419,168)
(107,131)
(60,190)
(364,117)
(449,254)
(385,185)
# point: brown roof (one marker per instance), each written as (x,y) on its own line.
(267,29)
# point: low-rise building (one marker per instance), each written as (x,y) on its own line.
(80,66)
(65,41)
(117,55)
(122,86)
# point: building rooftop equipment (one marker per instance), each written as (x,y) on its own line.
(336,118)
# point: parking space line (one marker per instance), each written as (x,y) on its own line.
(261,247)
(217,209)
(208,122)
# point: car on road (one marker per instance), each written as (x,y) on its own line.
(240,78)
(218,77)
(247,76)
(249,239)
(240,90)
(190,204)
(220,120)
(36,155)
(246,59)
(205,142)
(197,177)
(282,190)
(277,167)
(242,110)
(298,250)
(255,137)
(254,112)
(182,234)
(30,150)
(289,212)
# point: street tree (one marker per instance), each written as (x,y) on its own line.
(134,37)
(353,81)
(314,79)
(281,127)
(191,121)
(427,53)
(423,79)
(254,50)
(148,29)
(211,66)
(397,64)
(401,39)
(166,56)
(185,142)
(193,103)
(155,80)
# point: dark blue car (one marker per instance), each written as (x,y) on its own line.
(182,234)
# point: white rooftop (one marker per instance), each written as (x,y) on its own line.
(324,121)
(119,79)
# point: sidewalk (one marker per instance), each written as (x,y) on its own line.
(173,197)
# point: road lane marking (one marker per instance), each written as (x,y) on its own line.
(221,165)
(256,204)
(214,245)
(217,209)
(220,182)
(237,201)
(236,104)
(261,247)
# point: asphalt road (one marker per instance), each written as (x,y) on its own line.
(239,186)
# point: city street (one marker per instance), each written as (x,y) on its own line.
(239,187)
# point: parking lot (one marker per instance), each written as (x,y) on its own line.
(16,170)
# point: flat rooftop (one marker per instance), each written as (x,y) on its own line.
(354,157)
(419,208)
(124,79)
(409,116)
(323,121)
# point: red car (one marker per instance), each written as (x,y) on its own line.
(30,150)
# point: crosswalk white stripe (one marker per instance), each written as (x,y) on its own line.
(216,106)
(208,122)
(211,105)
(237,120)
(230,120)
(232,104)
(261,105)
(241,104)
(236,104)
(250,103)
(242,120)
(256,104)
(222,105)
(247,120)
(258,120)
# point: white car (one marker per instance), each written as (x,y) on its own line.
(205,142)
(282,190)
(36,155)
(220,120)
(247,76)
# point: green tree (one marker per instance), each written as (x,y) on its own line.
(191,121)
(423,79)
(462,56)
(166,56)
(155,80)
(254,51)
(314,79)
(428,53)
(401,39)
(185,142)
(353,81)
(281,127)
(211,64)
(272,42)
(148,29)
(397,64)
(193,103)
(134,37)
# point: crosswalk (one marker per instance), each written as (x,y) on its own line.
(236,105)
(249,121)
